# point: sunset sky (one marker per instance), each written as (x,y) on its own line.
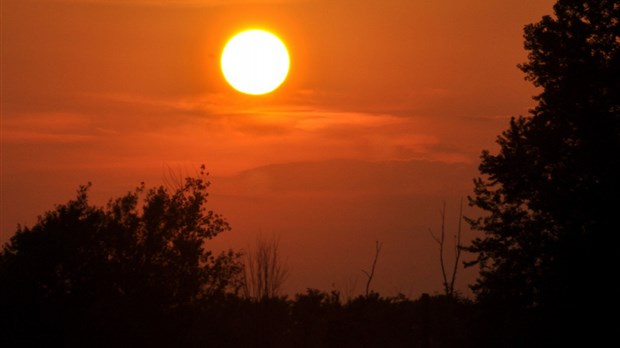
(385,111)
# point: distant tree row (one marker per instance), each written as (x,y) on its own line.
(138,272)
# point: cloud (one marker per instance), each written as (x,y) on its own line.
(340,176)
(47,128)
(228,132)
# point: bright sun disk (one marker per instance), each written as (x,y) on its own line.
(255,62)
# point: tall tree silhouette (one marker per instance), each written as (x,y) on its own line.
(82,271)
(551,192)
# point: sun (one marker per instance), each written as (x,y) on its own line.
(255,62)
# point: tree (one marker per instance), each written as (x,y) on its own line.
(84,270)
(264,273)
(448,286)
(370,275)
(551,192)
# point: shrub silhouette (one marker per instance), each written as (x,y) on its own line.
(85,274)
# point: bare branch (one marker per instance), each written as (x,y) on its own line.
(173,180)
(449,286)
(371,275)
(264,273)
(441,241)
(457,248)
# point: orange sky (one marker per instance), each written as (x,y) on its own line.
(384,114)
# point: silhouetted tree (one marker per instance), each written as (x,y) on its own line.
(128,270)
(551,192)
(264,272)
(370,275)
(448,286)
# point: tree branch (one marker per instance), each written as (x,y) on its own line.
(457,248)
(372,270)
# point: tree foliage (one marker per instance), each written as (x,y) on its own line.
(551,192)
(135,262)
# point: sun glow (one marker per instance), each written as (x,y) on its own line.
(255,62)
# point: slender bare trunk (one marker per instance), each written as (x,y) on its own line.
(264,272)
(449,285)
(372,270)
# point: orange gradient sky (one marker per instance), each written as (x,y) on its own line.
(385,111)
